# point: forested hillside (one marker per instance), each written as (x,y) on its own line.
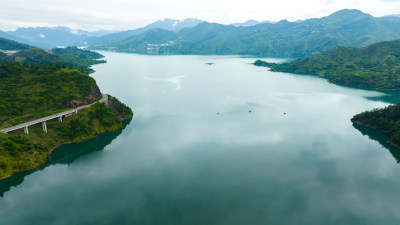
(351,28)
(35,83)
(28,92)
(386,120)
(6,44)
(70,56)
(376,66)
(20,152)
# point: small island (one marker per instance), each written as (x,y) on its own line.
(35,83)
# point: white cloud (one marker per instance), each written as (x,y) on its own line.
(130,14)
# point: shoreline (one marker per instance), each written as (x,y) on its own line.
(64,143)
(328,80)
(375,128)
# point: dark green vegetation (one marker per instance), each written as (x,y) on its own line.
(32,91)
(21,152)
(351,28)
(78,58)
(386,120)
(70,56)
(7,44)
(376,66)
(35,83)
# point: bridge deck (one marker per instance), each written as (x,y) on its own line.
(54,116)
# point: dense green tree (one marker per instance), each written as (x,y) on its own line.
(6,44)
(30,91)
(20,152)
(375,66)
(386,120)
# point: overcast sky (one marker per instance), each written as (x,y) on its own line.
(131,14)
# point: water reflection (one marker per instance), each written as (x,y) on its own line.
(380,137)
(389,96)
(65,154)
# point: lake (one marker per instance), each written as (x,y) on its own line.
(216,140)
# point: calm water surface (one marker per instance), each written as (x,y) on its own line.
(211,144)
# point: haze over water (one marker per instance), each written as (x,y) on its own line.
(226,143)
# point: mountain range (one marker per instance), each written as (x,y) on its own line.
(298,39)
(51,37)
(165,24)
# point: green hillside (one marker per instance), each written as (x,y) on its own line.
(386,120)
(78,58)
(376,66)
(351,28)
(35,83)
(31,91)
(28,92)
(21,152)
(70,56)
(6,44)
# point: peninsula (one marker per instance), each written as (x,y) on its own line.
(51,93)
(374,66)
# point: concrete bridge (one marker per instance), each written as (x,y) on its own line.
(54,116)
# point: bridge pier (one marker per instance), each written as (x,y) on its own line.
(47,118)
(44,126)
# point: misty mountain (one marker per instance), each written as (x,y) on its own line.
(7,36)
(7,44)
(250,23)
(247,23)
(166,24)
(49,37)
(173,25)
(14,38)
(393,15)
(351,28)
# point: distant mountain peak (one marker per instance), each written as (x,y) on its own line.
(173,24)
(344,13)
(247,23)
